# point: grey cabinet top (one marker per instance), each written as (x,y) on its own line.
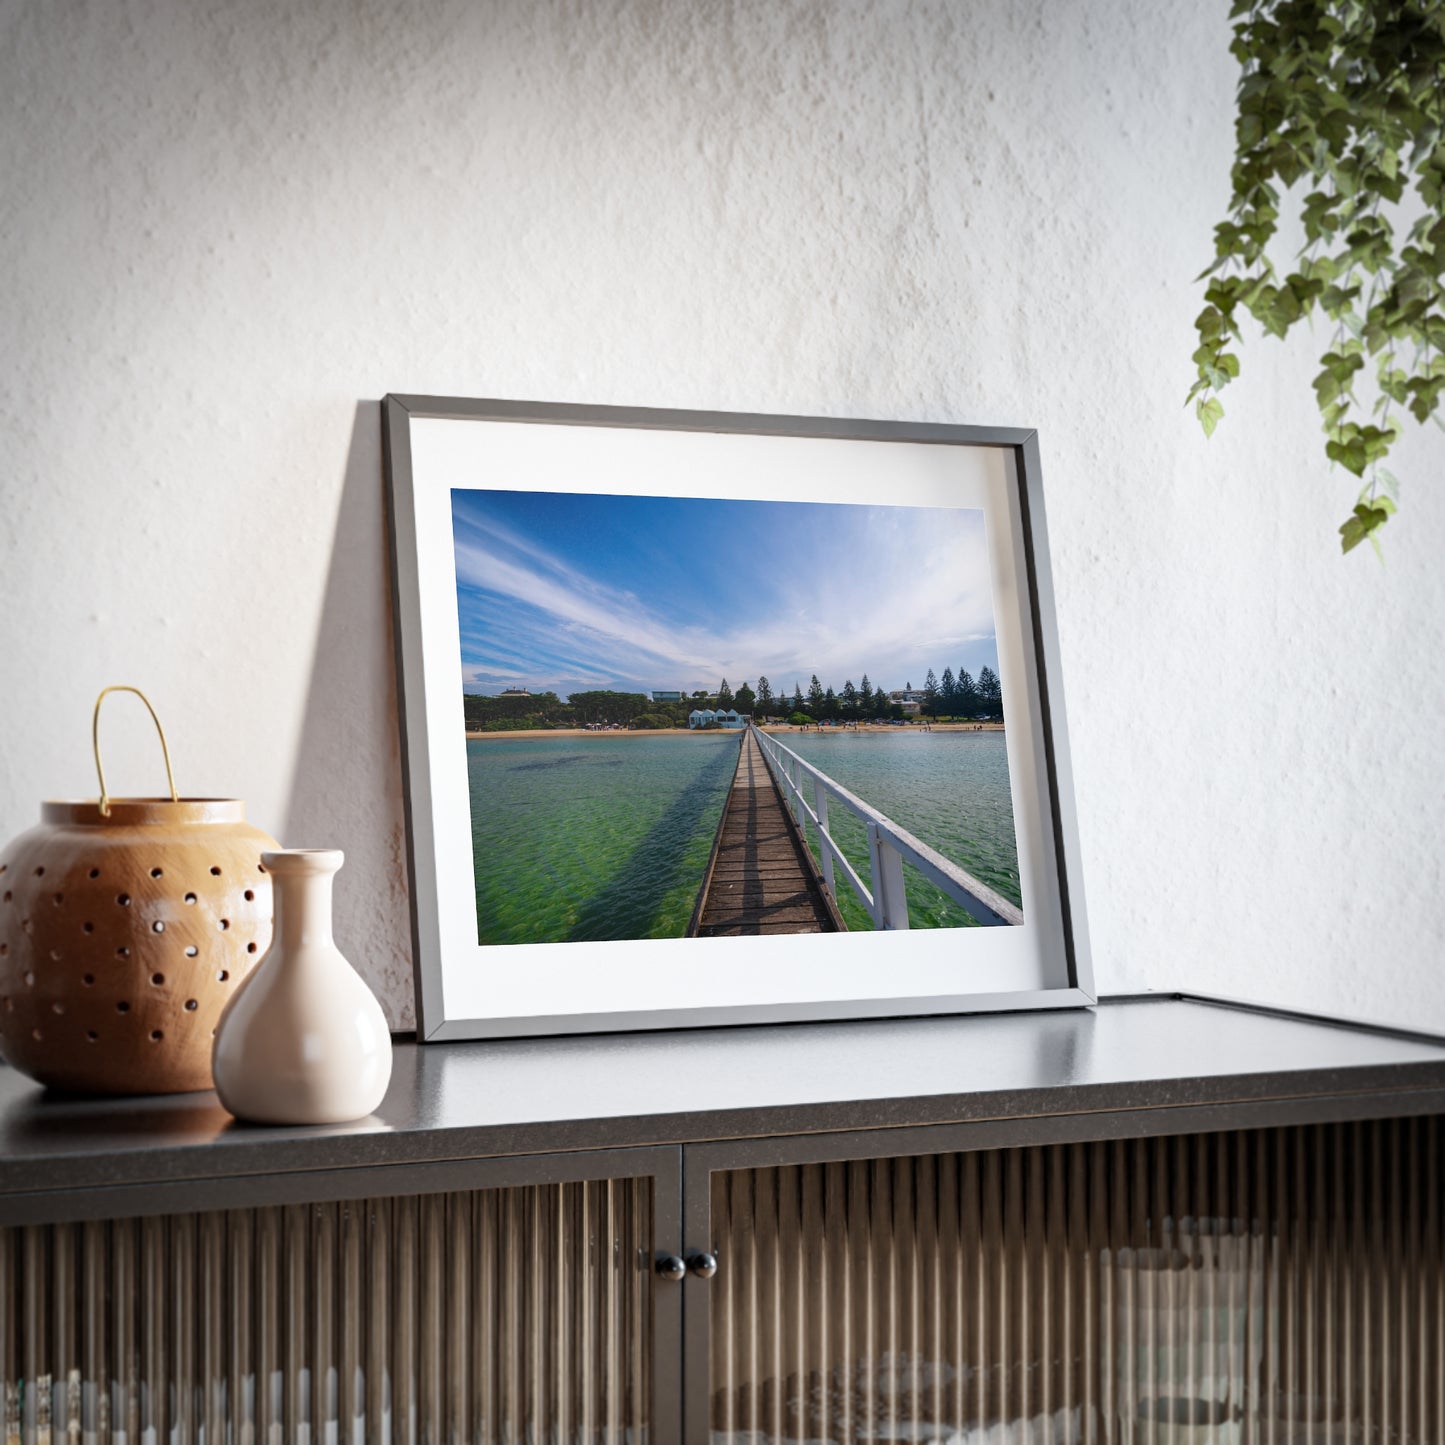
(1153,1064)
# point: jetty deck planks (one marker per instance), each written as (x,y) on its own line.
(762,879)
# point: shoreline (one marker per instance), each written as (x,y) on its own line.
(771,728)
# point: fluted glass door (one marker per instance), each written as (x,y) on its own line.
(473,1315)
(1273,1286)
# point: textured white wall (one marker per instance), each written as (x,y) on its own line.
(230,227)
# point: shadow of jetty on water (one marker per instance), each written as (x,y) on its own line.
(658,864)
(569,760)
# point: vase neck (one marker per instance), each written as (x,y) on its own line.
(303,909)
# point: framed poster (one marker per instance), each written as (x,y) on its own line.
(713,719)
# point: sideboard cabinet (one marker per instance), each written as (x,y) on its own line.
(1161,1220)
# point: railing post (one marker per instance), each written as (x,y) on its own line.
(820,807)
(889,891)
(799,815)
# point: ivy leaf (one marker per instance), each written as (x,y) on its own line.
(1363,522)
(1209,410)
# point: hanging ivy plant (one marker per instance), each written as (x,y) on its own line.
(1342,113)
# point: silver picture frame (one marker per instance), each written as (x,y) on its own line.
(1065,975)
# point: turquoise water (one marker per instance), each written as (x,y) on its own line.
(607,837)
(580,839)
(951,790)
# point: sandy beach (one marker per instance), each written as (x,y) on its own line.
(581,733)
(711,732)
(913,727)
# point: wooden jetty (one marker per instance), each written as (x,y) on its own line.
(761,877)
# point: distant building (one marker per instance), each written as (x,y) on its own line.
(514,692)
(910,697)
(700,717)
(658,696)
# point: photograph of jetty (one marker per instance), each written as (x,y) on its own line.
(698,717)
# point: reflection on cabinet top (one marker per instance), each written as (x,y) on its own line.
(1153,1064)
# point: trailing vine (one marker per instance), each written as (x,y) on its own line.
(1342,112)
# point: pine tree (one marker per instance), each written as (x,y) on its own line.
(745,700)
(815,697)
(965,694)
(797,698)
(724,696)
(930,695)
(947,694)
(865,697)
(765,698)
(830,703)
(850,699)
(990,695)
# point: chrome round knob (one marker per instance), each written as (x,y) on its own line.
(704,1266)
(669,1266)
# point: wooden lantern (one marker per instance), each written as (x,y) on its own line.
(125,926)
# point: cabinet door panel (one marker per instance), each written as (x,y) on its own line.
(488,1315)
(1269,1285)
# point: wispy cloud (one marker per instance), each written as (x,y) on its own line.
(675,592)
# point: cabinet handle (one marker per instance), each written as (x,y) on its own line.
(704,1266)
(669,1266)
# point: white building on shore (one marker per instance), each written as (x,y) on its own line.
(700,717)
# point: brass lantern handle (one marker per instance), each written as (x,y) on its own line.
(95,742)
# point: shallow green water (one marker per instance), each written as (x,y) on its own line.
(951,790)
(579,839)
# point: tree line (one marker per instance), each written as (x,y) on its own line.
(955,695)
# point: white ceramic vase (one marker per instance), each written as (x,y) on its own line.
(303,1040)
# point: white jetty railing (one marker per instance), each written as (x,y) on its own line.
(888,847)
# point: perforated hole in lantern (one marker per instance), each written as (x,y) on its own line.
(215,872)
(122,952)
(156,1036)
(157,873)
(87,928)
(88,979)
(190,897)
(55,955)
(224,974)
(158,926)
(40,872)
(36,1035)
(158,979)
(91,1036)
(260,867)
(250,948)
(191,1005)
(4,949)
(224,924)
(58,900)
(8,897)
(122,1007)
(192,951)
(123,899)
(9,1005)
(250,896)
(4,869)
(57,1007)
(95,872)
(29,980)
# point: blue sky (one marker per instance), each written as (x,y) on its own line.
(570,591)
